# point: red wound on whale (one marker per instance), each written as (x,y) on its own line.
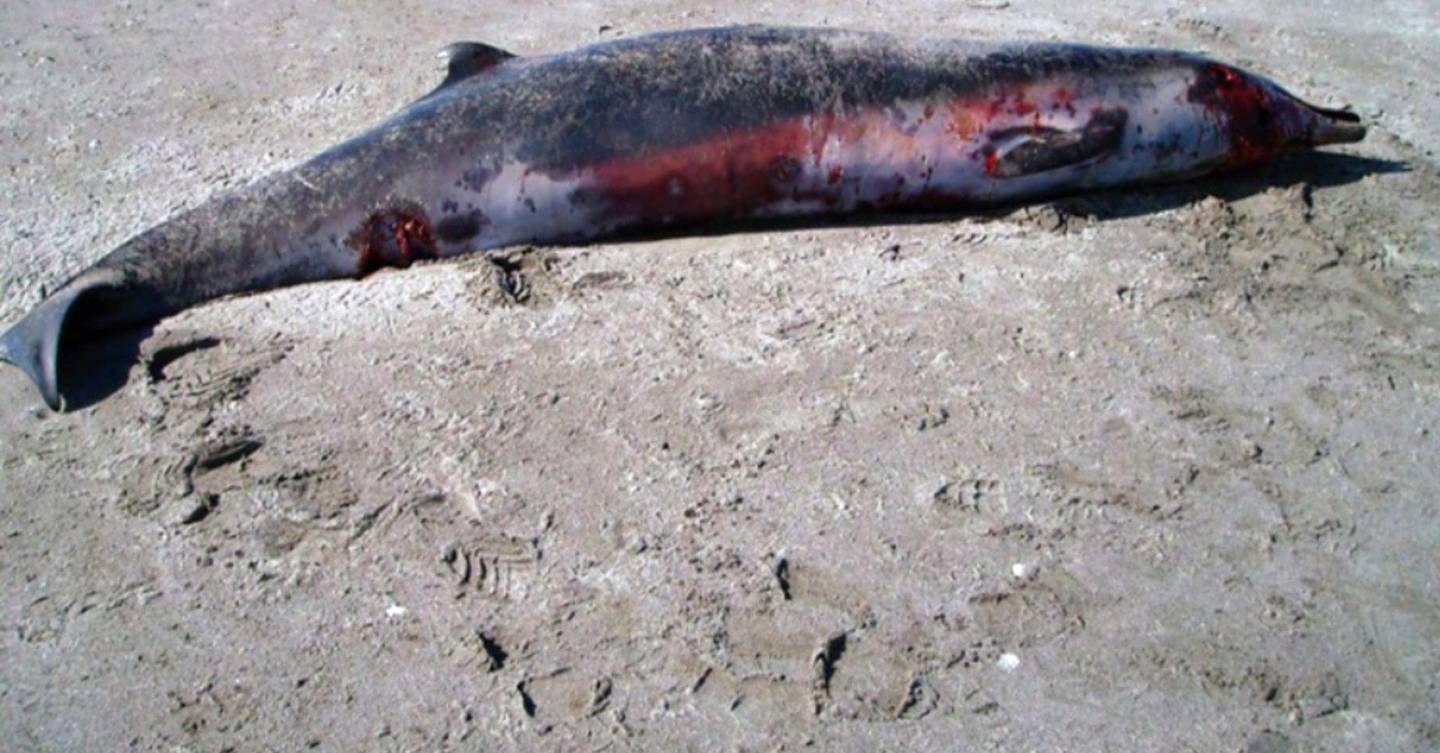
(730,174)
(1255,127)
(992,160)
(394,236)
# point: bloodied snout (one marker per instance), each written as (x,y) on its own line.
(1263,119)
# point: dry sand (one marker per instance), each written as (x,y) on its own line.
(1146,471)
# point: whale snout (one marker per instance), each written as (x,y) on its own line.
(1330,126)
(1262,119)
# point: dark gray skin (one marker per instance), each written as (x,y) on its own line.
(687,127)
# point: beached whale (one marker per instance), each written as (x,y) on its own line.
(687,127)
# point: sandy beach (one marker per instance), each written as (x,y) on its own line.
(1143,470)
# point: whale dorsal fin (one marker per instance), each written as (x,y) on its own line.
(466,59)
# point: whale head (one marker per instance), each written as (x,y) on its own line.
(1263,119)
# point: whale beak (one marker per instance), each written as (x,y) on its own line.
(1328,126)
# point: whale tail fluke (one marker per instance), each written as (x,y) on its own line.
(33,343)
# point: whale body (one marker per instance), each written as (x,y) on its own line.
(688,127)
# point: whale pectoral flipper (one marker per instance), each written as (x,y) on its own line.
(1029,150)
